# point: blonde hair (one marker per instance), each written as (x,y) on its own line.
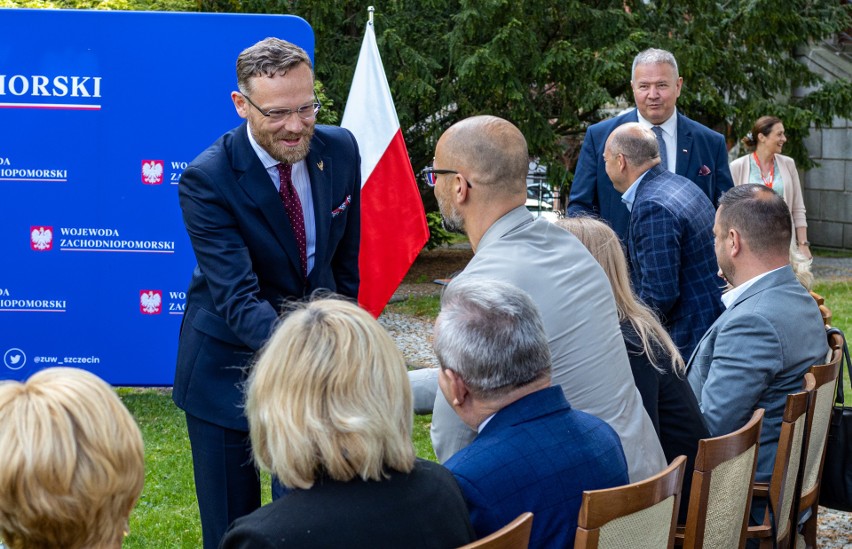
(329,395)
(603,244)
(801,266)
(73,462)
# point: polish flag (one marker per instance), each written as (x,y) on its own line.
(393,223)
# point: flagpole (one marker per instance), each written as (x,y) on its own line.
(370,10)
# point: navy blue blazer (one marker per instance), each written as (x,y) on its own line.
(673,261)
(537,454)
(698,147)
(248,260)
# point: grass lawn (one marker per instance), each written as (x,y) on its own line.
(167,515)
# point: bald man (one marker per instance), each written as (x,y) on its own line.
(479,175)
(669,236)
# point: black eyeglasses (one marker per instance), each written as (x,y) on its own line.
(430,172)
(305,112)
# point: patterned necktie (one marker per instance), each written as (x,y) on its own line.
(293,206)
(664,154)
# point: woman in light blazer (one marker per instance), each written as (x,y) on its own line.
(765,165)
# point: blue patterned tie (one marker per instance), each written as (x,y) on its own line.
(664,156)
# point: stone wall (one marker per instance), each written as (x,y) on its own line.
(828,188)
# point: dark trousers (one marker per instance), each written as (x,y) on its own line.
(227,483)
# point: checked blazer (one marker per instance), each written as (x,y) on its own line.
(702,157)
(537,454)
(670,241)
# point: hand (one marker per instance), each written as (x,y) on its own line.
(805,250)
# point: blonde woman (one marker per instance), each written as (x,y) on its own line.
(654,359)
(330,415)
(765,165)
(73,462)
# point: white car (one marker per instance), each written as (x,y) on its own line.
(541,209)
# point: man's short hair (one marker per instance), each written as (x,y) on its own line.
(638,144)
(73,461)
(269,57)
(761,217)
(491,334)
(329,396)
(653,56)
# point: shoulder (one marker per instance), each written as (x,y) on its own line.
(786,161)
(698,130)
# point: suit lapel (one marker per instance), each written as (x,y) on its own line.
(684,146)
(320,170)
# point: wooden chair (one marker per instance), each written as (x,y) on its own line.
(823,309)
(639,515)
(721,488)
(816,438)
(778,527)
(515,535)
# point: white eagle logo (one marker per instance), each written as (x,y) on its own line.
(42,238)
(152,172)
(150,302)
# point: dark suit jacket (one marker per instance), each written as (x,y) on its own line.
(756,354)
(537,454)
(670,241)
(697,146)
(670,404)
(248,261)
(421,509)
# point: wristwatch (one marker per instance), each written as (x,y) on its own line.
(805,243)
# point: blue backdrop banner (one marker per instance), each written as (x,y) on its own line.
(100,112)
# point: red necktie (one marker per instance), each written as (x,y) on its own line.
(290,199)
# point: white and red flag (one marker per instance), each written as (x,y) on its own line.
(393,223)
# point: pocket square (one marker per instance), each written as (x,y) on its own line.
(343,206)
(704,170)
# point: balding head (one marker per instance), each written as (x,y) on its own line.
(630,151)
(489,151)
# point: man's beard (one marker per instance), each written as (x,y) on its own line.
(289,155)
(452,219)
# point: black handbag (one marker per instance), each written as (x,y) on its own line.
(836,484)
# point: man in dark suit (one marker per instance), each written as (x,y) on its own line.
(533,451)
(272,211)
(771,333)
(668,237)
(690,150)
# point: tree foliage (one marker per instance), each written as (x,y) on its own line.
(555,66)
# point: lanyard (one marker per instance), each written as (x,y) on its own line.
(767,182)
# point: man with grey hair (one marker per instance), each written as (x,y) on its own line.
(673,264)
(479,174)
(272,212)
(687,148)
(533,451)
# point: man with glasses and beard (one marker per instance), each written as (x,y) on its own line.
(273,213)
(479,176)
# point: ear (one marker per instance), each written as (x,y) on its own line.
(460,189)
(240,104)
(457,389)
(736,242)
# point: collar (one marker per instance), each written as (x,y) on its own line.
(511,220)
(669,126)
(730,297)
(629,195)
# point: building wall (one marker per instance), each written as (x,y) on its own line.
(828,188)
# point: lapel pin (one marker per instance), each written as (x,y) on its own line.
(684,150)
(320,165)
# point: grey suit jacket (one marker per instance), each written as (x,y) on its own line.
(575,299)
(754,355)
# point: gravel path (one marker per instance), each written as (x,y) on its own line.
(414,338)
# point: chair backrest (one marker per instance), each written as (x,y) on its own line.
(818,419)
(788,456)
(639,515)
(515,535)
(721,487)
